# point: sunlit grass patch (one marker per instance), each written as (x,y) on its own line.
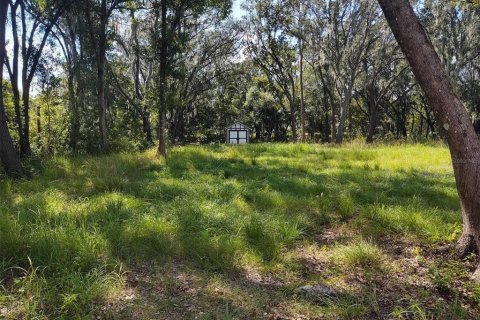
(36,297)
(359,252)
(412,219)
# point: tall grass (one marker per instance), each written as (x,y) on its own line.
(67,235)
(361,252)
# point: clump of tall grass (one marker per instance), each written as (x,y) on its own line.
(65,295)
(269,236)
(362,253)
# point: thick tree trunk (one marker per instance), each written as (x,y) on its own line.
(162,121)
(8,155)
(449,111)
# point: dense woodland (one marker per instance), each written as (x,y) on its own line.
(95,76)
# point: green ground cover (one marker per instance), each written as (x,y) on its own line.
(219,232)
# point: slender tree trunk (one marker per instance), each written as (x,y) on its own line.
(39,125)
(25,149)
(147,126)
(101,51)
(293,120)
(333,123)
(14,70)
(31,58)
(74,114)
(162,121)
(293,111)
(39,120)
(421,126)
(372,112)
(412,128)
(449,111)
(73,84)
(302,97)
(49,128)
(8,155)
(344,110)
(328,119)
(146,123)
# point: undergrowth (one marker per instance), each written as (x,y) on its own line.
(68,235)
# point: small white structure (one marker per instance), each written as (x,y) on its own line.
(238,134)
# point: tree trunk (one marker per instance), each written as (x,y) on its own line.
(162,121)
(147,126)
(74,114)
(372,112)
(30,58)
(25,149)
(49,128)
(302,96)
(73,83)
(449,111)
(14,71)
(333,123)
(102,47)
(136,65)
(344,110)
(39,125)
(8,155)
(293,120)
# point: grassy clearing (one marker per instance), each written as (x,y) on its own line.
(224,232)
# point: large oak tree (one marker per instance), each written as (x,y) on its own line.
(450,112)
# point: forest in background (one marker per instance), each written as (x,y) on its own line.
(91,76)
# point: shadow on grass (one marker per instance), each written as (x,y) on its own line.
(208,207)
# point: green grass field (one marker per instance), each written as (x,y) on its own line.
(220,232)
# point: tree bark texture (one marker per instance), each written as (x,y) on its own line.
(448,110)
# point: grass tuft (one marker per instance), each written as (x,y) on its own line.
(362,253)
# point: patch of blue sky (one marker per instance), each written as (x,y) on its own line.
(237,11)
